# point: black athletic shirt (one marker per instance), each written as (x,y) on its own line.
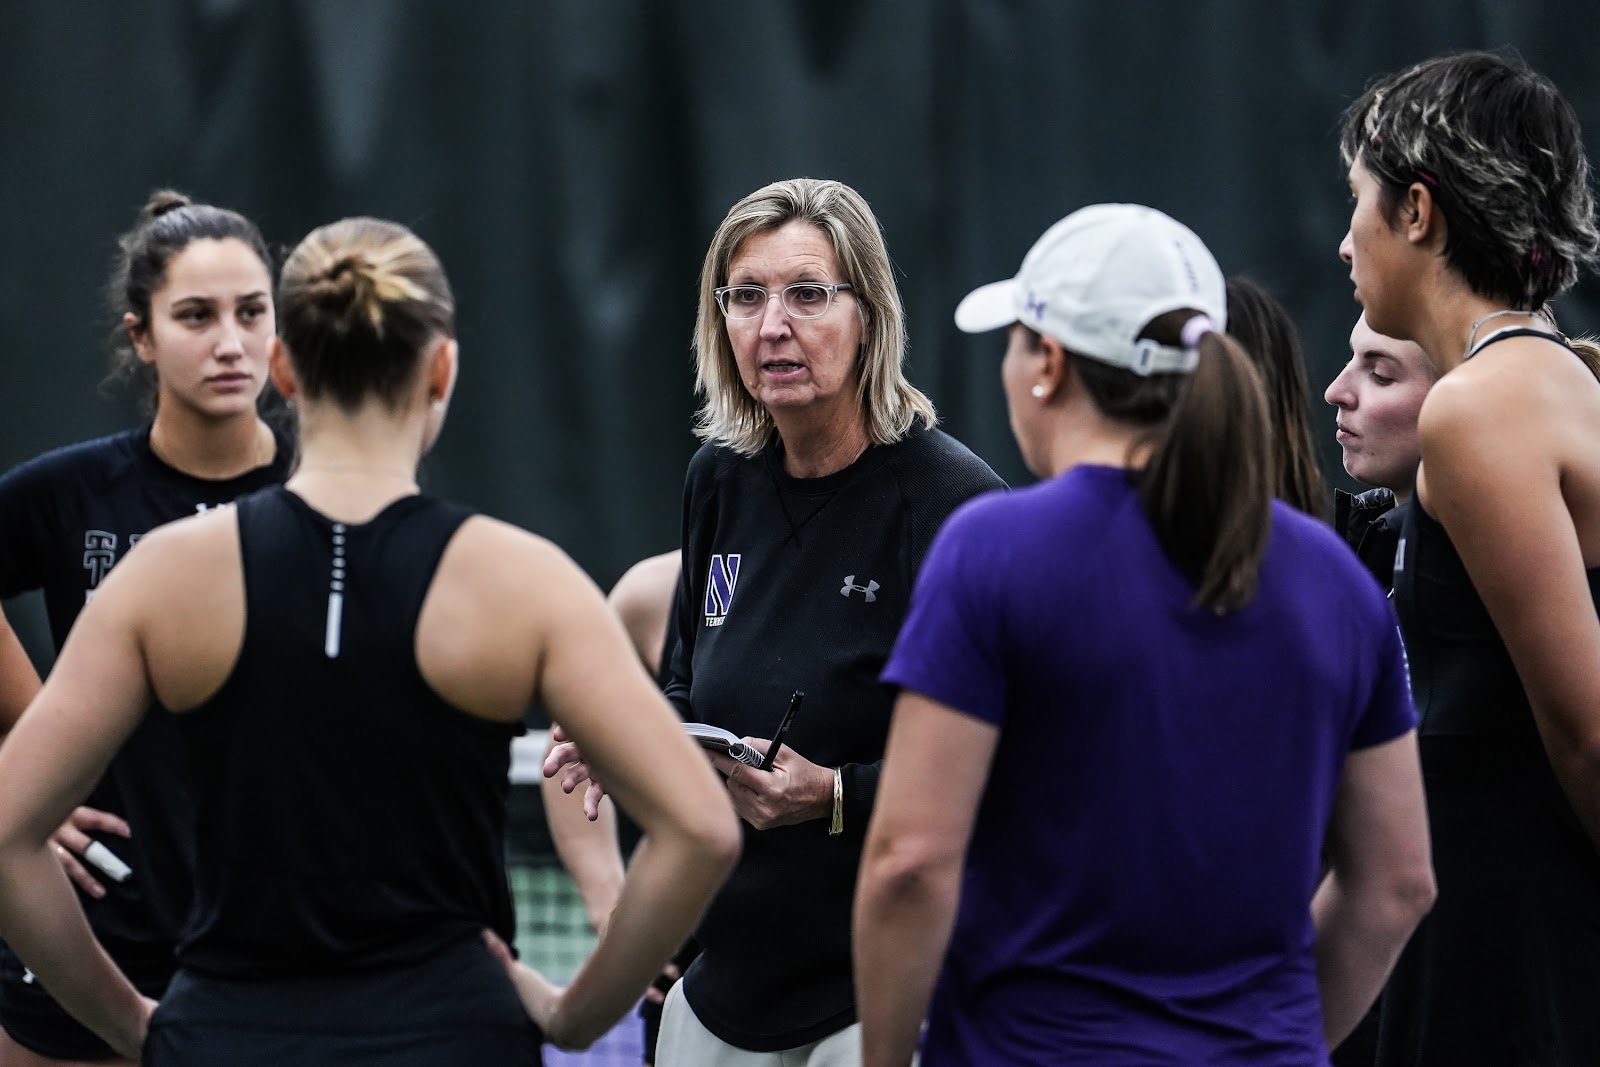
(1506,967)
(348,816)
(65,519)
(1370,524)
(789,584)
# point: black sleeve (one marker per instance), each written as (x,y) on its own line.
(669,638)
(676,666)
(677,670)
(860,794)
(950,476)
(30,524)
(933,485)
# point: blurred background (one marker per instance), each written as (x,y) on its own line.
(570,159)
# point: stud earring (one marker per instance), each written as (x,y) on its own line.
(1038,392)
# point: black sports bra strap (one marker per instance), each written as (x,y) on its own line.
(1517,331)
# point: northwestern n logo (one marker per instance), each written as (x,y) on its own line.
(720,583)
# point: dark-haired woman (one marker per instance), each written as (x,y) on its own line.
(1141,725)
(1263,326)
(1472,210)
(193,295)
(347,660)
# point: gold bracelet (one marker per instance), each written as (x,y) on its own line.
(837,826)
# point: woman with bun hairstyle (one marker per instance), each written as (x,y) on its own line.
(346,660)
(192,296)
(1142,725)
(1473,209)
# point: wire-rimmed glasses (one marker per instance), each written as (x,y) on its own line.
(803,300)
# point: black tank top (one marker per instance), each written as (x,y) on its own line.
(348,816)
(1504,969)
(1462,676)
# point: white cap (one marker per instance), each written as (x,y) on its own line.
(1097,278)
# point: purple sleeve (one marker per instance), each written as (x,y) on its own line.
(1389,711)
(949,646)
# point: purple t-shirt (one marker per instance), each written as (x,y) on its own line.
(1138,886)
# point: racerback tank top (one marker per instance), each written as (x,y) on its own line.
(347,815)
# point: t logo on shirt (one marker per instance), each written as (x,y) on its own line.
(723,576)
(99,553)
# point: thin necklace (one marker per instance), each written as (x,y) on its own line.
(1473,333)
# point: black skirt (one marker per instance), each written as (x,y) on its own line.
(458,1007)
(1506,969)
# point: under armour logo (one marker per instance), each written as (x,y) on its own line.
(869,591)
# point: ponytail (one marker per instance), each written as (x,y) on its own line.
(1208,485)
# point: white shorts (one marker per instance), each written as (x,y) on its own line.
(685,1042)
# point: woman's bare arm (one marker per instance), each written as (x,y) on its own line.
(19,682)
(910,882)
(1380,879)
(589,849)
(1492,440)
(57,751)
(596,688)
(510,618)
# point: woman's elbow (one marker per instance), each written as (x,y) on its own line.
(1586,755)
(1410,893)
(714,837)
(905,869)
(15,837)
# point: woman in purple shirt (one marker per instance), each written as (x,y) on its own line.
(1149,695)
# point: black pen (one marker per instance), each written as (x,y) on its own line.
(783,728)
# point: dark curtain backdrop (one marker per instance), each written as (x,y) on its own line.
(569,160)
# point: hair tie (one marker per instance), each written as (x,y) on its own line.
(1194,329)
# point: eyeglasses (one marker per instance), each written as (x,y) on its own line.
(803,300)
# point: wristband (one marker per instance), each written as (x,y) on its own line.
(837,826)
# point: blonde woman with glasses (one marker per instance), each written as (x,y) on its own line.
(806,517)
